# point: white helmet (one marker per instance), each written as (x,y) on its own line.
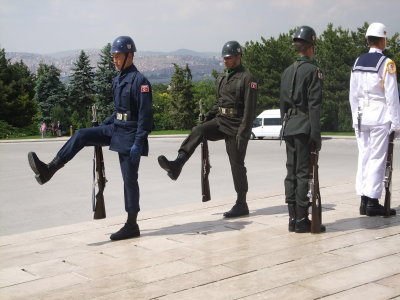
(376,29)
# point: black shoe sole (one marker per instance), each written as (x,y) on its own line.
(120,238)
(379,214)
(163,162)
(228,215)
(32,157)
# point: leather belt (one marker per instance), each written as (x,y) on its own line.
(296,111)
(227,111)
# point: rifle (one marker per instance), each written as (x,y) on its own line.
(99,176)
(284,123)
(313,192)
(388,177)
(205,162)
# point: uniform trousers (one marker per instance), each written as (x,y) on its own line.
(210,131)
(297,165)
(372,144)
(101,136)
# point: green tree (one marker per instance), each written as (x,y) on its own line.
(335,54)
(81,92)
(205,90)
(183,114)
(162,107)
(17,106)
(103,83)
(49,92)
(266,61)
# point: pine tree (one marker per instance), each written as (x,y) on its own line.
(81,92)
(103,83)
(184,114)
(50,92)
(335,54)
(17,106)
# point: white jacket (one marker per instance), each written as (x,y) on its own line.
(377,95)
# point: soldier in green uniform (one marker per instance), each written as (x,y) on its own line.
(230,119)
(300,103)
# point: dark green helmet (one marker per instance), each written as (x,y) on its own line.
(305,33)
(231,48)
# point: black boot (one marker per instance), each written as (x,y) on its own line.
(173,167)
(239,209)
(43,171)
(363,205)
(303,224)
(292,216)
(129,230)
(375,209)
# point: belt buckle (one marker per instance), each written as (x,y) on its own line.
(122,116)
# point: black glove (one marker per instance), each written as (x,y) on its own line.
(208,117)
(316,141)
(241,143)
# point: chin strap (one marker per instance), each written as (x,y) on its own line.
(123,65)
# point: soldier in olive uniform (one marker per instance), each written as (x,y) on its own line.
(300,102)
(230,119)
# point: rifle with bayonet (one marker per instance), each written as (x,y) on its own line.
(205,162)
(99,176)
(388,177)
(313,192)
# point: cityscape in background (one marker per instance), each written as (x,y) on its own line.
(156,66)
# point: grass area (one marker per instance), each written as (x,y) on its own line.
(351,133)
(26,137)
(158,132)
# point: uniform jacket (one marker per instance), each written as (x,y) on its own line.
(373,88)
(306,100)
(132,95)
(239,92)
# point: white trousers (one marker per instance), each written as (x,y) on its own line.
(372,150)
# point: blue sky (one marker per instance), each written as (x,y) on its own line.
(47,26)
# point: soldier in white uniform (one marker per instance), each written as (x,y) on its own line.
(375,107)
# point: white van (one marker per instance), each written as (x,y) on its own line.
(267,124)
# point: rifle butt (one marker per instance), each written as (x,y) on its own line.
(388,176)
(386,206)
(315,219)
(100,209)
(205,171)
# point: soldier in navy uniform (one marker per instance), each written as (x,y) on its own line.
(374,101)
(125,131)
(300,105)
(230,119)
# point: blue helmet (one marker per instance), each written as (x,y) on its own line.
(123,44)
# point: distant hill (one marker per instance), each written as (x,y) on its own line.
(157,66)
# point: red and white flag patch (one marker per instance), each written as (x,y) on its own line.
(144,88)
(253,85)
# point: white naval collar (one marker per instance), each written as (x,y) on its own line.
(373,50)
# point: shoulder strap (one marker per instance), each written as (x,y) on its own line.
(219,81)
(296,66)
(239,90)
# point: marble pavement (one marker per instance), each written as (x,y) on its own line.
(191,252)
